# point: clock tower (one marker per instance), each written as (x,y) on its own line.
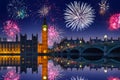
(44,37)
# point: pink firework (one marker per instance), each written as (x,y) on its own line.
(113,78)
(11,75)
(53,71)
(54,35)
(11,28)
(114,22)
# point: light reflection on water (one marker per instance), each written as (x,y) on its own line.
(67,74)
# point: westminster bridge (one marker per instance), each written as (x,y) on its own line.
(89,52)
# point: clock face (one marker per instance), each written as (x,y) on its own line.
(44,29)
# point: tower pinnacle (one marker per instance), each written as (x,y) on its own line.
(44,22)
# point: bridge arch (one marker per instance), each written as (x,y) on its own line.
(64,54)
(93,53)
(74,54)
(115,61)
(114,53)
(95,61)
(96,47)
(118,46)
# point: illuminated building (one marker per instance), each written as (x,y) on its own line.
(28,50)
(9,47)
(43,47)
(24,45)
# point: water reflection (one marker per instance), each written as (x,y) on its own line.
(54,71)
(11,75)
(91,71)
(30,68)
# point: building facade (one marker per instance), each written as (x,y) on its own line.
(27,51)
(25,46)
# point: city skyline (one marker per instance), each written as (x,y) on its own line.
(60,39)
(32,24)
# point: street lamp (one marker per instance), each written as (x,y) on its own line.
(105,37)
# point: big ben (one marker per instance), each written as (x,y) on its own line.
(44,37)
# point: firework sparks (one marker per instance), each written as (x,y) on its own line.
(54,72)
(104,6)
(114,22)
(78,78)
(21,14)
(54,35)
(44,10)
(11,75)
(11,28)
(113,78)
(17,9)
(78,16)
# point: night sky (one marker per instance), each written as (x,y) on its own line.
(33,23)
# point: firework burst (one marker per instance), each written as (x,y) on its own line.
(78,15)
(114,22)
(113,78)
(17,9)
(54,35)
(11,28)
(104,6)
(78,78)
(47,9)
(11,75)
(54,72)
(44,10)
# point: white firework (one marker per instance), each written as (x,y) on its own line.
(79,15)
(44,10)
(78,78)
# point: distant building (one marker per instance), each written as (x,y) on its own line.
(70,43)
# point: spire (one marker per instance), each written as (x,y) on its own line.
(44,22)
(16,37)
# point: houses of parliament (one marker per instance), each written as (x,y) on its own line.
(26,52)
(26,46)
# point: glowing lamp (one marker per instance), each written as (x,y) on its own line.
(45,51)
(44,29)
(105,71)
(44,77)
(80,42)
(105,36)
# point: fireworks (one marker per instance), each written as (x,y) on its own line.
(44,10)
(54,35)
(78,15)
(17,9)
(104,6)
(78,78)
(53,71)
(11,75)
(11,28)
(113,78)
(114,22)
